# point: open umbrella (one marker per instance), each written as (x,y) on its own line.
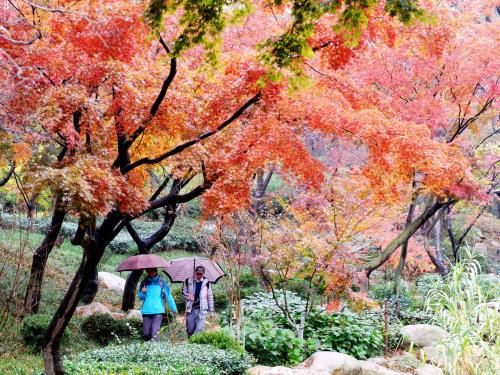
(142,261)
(180,269)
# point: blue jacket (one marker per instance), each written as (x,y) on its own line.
(157,292)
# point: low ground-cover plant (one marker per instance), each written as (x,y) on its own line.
(217,339)
(274,345)
(103,328)
(159,358)
(33,330)
(272,341)
(347,332)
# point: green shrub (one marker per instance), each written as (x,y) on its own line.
(346,332)
(159,358)
(103,328)
(249,280)
(272,345)
(218,339)
(33,331)
(272,340)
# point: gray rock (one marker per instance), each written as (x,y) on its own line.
(111,281)
(134,314)
(265,370)
(331,363)
(371,368)
(429,370)
(423,335)
(118,315)
(434,354)
(381,361)
(93,308)
(481,248)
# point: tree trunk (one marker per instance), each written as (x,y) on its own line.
(40,257)
(404,236)
(439,254)
(404,250)
(144,246)
(93,251)
(9,174)
(128,300)
(91,288)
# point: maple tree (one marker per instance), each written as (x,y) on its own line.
(422,110)
(86,81)
(205,103)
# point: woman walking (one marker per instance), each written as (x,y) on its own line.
(154,292)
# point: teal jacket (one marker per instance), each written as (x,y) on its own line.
(157,292)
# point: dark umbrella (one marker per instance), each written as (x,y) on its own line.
(142,261)
(182,268)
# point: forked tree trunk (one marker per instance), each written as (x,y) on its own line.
(92,254)
(34,288)
(404,250)
(128,300)
(404,236)
(91,288)
(145,246)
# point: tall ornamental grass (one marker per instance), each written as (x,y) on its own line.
(466,305)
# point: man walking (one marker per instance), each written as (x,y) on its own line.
(199,301)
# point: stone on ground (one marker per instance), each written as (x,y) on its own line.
(93,308)
(372,368)
(134,314)
(279,370)
(434,354)
(111,281)
(422,335)
(331,363)
(429,370)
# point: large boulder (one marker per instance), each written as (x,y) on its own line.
(134,314)
(279,370)
(434,354)
(118,315)
(372,368)
(429,370)
(481,248)
(93,308)
(422,335)
(331,363)
(111,281)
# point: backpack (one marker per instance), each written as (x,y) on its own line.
(162,286)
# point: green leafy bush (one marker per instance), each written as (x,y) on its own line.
(33,331)
(159,358)
(346,332)
(218,339)
(103,328)
(272,345)
(271,339)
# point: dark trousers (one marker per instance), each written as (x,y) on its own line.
(195,322)
(151,326)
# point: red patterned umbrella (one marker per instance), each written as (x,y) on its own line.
(182,268)
(142,261)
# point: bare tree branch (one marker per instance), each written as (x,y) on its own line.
(178,149)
